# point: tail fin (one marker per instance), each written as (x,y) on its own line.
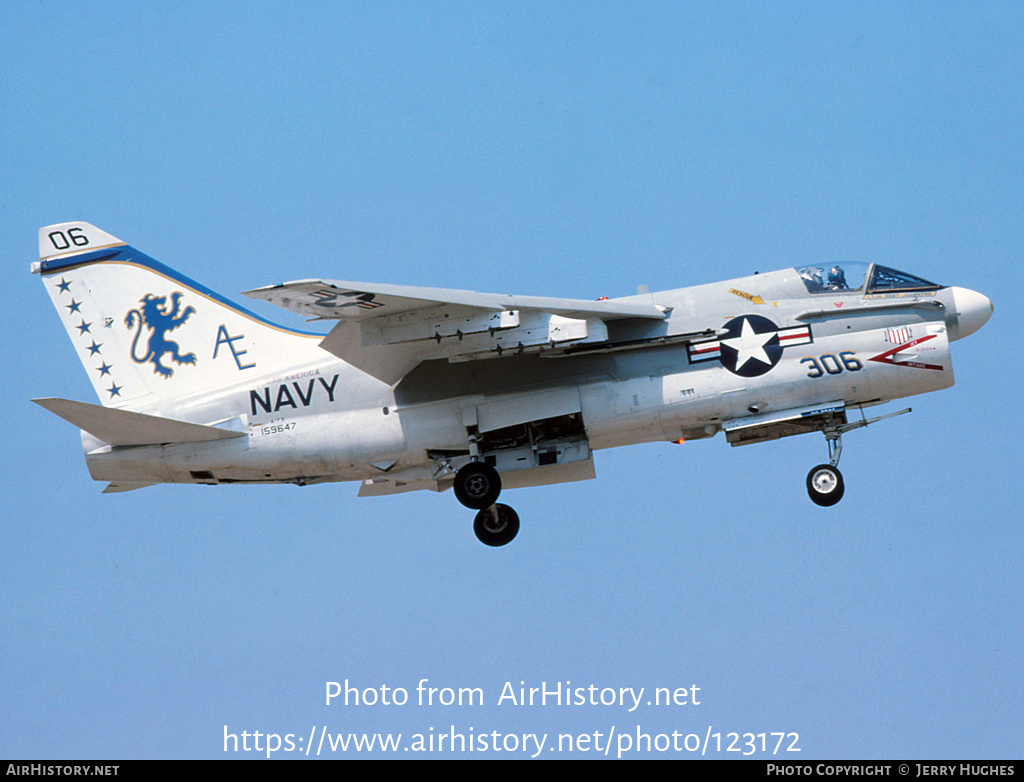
(146,334)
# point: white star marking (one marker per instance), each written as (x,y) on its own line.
(750,345)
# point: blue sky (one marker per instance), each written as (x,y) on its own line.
(564,149)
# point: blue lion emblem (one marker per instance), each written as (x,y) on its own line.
(155,315)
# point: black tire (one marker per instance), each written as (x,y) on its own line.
(825,485)
(477,485)
(496,525)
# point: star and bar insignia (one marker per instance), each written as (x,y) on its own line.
(752,345)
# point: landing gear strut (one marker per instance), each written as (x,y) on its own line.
(825,482)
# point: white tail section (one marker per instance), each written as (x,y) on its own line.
(146,334)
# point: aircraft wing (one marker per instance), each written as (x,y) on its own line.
(335,300)
(386,330)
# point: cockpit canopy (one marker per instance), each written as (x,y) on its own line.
(850,276)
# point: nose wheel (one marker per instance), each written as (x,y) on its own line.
(825,485)
(825,482)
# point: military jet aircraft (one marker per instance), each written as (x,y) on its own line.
(428,388)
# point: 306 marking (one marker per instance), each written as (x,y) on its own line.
(831,364)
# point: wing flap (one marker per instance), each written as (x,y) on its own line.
(387,363)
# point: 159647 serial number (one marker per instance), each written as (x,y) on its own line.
(278,428)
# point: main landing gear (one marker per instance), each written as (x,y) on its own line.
(496,525)
(824,482)
(477,486)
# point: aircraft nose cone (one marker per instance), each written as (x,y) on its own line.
(972,311)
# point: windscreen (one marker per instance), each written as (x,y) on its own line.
(884,279)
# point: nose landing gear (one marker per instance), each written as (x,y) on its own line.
(825,483)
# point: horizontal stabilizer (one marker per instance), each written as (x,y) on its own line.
(123,486)
(123,427)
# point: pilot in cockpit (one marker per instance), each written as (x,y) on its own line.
(837,279)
